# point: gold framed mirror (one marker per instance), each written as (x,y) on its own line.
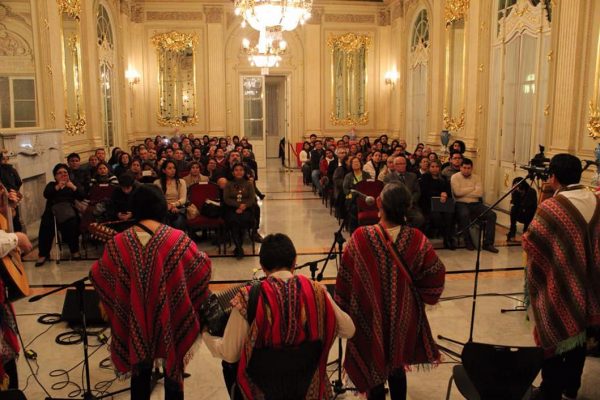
(18,106)
(349,79)
(455,73)
(75,122)
(176,78)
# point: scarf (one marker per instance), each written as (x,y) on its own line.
(392,330)
(303,313)
(152,295)
(563,282)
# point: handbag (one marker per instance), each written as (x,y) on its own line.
(192,211)
(211,209)
(63,211)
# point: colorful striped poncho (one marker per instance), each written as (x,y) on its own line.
(152,295)
(303,313)
(563,284)
(392,330)
(9,343)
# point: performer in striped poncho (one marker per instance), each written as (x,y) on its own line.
(152,280)
(385,290)
(563,276)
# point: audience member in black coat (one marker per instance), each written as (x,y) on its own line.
(119,207)
(433,184)
(523,205)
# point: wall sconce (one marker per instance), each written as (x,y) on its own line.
(132,76)
(391,77)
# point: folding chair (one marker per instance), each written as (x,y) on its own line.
(493,372)
(198,194)
(368,214)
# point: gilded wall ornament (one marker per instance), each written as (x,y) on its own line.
(176,122)
(349,120)
(349,42)
(452,124)
(75,126)
(455,10)
(175,41)
(593,125)
(70,7)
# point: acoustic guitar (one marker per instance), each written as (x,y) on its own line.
(11,265)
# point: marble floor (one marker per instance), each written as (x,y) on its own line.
(293,209)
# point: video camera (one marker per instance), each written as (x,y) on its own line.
(538,166)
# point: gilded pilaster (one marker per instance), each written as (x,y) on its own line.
(569,28)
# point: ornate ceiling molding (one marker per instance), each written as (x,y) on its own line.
(174,16)
(350,18)
(174,41)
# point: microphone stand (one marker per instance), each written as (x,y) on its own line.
(79,285)
(338,239)
(479,219)
(313,265)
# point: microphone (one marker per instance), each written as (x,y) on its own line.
(370,200)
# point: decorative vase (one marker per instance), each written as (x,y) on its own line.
(445,138)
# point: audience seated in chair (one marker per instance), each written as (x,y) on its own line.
(60,196)
(454,166)
(409,179)
(433,184)
(123,164)
(119,207)
(467,191)
(195,176)
(375,165)
(389,167)
(353,177)
(239,198)
(315,159)
(175,191)
(103,176)
(304,157)
(79,175)
(523,205)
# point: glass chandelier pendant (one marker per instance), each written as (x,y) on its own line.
(267,53)
(265,14)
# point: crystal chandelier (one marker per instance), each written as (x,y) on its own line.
(267,53)
(265,14)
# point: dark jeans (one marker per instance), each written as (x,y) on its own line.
(397,383)
(230,376)
(238,224)
(465,212)
(141,388)
(69,231)
(517,215)
(562,374)
(443,221)
(177,220)
(306,178)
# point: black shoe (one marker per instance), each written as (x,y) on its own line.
(510,237)
(186,375)
(469,246)
(39,262)
(449,244)
(261,196)
(256,237)
(238,253)
(490,248)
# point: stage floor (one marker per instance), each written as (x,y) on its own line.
(293,209)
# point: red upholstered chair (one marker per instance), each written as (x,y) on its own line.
(198,194)
(368,214)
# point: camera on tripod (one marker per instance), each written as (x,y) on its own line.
(538,166)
